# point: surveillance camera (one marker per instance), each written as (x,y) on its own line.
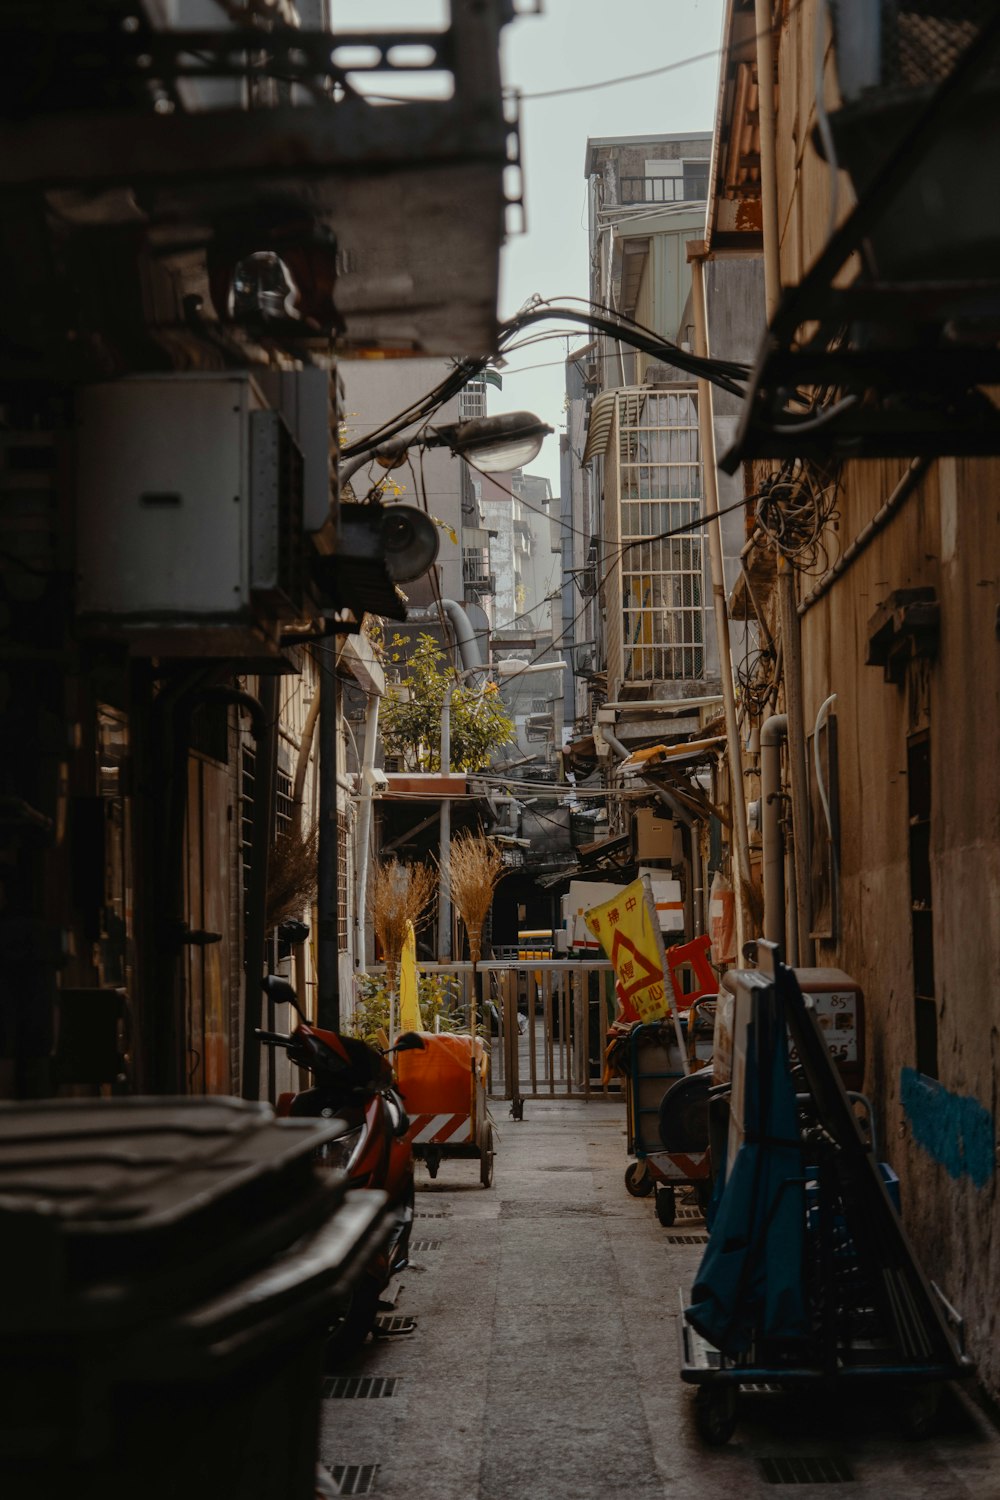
(376,781)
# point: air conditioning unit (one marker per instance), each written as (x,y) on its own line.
(189,515)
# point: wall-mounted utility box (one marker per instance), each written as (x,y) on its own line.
(189,514)
(654,835)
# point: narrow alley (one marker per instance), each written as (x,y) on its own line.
(544,1364)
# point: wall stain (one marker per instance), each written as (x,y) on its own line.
(954,1129)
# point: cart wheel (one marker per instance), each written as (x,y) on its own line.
(433,1160)
(638,1182)
(666,1206)
(715,1413)
(486,1159)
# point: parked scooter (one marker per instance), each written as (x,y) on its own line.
(354,1083)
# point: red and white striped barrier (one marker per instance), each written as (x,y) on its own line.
(439,1130)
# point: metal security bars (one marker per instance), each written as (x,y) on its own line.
(660,489)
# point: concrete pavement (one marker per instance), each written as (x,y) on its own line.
(544,1361)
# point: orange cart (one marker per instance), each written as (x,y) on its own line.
(444,1090)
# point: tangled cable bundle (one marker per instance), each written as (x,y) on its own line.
(795,507)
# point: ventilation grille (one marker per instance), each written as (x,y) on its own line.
(353,1479)
(391,1323)
(359,1387)
(808,1470)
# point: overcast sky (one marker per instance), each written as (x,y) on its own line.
(574,42)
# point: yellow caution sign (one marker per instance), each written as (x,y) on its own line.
(628,930)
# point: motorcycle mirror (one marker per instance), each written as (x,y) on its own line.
(280,992)
(410,1041)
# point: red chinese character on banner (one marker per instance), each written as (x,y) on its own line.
(628,970)
(630,904)
(595,924)
(614,916)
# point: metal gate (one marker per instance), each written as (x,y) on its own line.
(546,1020)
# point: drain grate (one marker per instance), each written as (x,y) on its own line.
(418,1246)
(436,1213)
(817,1469)
(687,1239)
(359,1387)
(395,1323)
(353,1479)
(690,1213)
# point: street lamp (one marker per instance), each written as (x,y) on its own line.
(493,444)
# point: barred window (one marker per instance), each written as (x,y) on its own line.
(662,593)
(341,882)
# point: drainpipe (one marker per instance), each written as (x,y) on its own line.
(798,776)
(706,426)
(763,17)
(364,829)
(773,732)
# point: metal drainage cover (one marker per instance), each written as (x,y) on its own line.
(427,1213)
(353,1479)
(687,1239)
(817,1470)
(419,1246)
(395,1323)
(359,1387)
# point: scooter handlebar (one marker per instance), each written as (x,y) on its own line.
(273,1038)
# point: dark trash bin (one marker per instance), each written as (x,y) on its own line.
(169,1266)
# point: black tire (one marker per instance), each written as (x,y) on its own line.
(486,1159)
(348,1332)
(433,1160)
(666,1206)
(715,1412)
(638,1183)
(703,1193)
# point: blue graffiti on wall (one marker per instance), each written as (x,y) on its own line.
(954,1129)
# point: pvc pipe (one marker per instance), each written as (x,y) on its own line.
(671,703)
(773,732)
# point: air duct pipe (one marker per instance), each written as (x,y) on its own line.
(773,733)
(469,648)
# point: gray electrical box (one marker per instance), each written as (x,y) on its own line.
(189,514)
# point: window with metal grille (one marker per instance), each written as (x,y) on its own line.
(472,401)
(282,804)
(660,486)
(341,882)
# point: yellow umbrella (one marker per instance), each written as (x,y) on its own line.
(409,1006)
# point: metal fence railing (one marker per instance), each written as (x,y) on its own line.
(546,1020)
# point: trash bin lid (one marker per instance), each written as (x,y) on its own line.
(112,1208)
